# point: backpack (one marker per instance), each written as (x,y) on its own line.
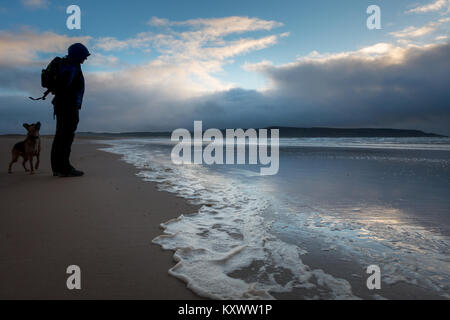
(49,77)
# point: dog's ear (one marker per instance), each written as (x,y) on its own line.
(26,125)
(38,125)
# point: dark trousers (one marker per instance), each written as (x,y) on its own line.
(66,124)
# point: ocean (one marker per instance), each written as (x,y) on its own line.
(337,206)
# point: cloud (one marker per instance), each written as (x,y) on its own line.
(35,4)
(238,47)
(257,66)
(199,33)
(23,48)
(441,38)
(413,32)
(110,44)
(197,48)
(142,41)
(103,61)
(158,22)
(396,87)
(434,6)
(217,27)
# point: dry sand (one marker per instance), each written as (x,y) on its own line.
(103,222)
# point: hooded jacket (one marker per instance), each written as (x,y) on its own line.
(70,87)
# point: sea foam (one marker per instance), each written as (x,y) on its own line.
(231,248)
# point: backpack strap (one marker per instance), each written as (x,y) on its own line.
(46,93)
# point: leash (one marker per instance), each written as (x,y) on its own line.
(46,93)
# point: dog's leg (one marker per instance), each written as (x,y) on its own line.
(15,156)
(38,161)
(31,164)
(24,162)
(38,154)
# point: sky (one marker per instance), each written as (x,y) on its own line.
(160,65)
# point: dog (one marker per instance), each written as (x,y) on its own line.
(28,149)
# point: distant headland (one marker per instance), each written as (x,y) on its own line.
(292,132)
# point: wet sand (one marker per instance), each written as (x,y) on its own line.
(104,222)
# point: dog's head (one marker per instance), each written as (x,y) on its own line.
(33,129)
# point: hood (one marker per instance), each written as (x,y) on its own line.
(78,52)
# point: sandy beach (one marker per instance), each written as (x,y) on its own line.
(103,222)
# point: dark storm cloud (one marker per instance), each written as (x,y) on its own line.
(347,91)
(355,91)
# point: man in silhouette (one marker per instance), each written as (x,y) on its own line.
(67,103)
